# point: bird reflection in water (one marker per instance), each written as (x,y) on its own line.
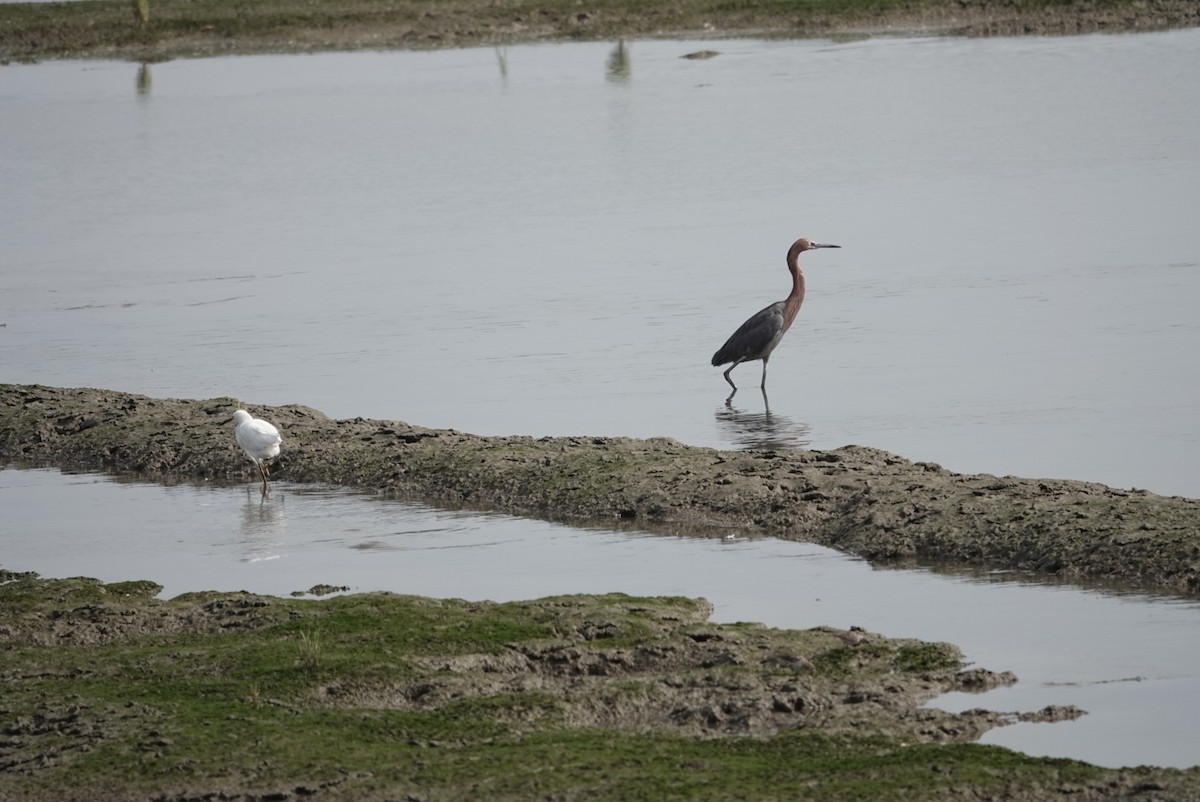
(761,429)
(502,61)
(618,63)
(144,79)
(262,527)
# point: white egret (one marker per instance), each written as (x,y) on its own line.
(259,439)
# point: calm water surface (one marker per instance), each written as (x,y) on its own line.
(554,239)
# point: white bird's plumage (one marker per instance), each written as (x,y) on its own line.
(259,439)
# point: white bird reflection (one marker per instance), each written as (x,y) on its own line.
(762,429)
(262,527)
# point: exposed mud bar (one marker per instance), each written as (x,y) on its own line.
(110,693)
(857,499)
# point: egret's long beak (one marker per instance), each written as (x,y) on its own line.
(820,245)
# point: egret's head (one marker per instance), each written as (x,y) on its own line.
(240,417)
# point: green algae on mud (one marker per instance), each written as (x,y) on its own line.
(191,28)
(111,693)
(857,499)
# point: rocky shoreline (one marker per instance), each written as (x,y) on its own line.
(857,499)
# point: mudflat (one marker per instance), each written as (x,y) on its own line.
(857,499)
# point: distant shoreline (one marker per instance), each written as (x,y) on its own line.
(111,29)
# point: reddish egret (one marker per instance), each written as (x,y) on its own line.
(758,336)
(259,439)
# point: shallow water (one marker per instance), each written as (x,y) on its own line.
(554,239)
(1129,660)
(538,240)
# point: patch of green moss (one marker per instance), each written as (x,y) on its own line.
(841,661)
(921,658)
(23,592)
(139,588)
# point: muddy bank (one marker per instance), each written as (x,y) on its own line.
(198,28)
(113,694)
(857,499)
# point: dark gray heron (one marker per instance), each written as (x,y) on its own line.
(758,336)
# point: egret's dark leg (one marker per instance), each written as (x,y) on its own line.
(763,386)
(731,367)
